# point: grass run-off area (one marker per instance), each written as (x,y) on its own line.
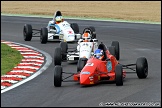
(9,58)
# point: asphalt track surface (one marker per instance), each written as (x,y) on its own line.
(135,40)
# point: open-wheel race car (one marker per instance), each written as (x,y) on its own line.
(62,31)
(93,71)
(85,48)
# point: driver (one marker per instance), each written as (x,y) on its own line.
(86,37)
(55,20)
(99,54)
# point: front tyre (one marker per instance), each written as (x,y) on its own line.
(57,76)
(81,63)
(117,49)
(112,51)
(142,67)
(27,32)
(119,75)
(64,48)
(44,35)
(75,27)
(57,56)
(93,32)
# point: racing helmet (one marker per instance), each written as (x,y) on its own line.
(86,37)
(58,19)
(99,54)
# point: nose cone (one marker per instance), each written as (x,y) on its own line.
(86,78)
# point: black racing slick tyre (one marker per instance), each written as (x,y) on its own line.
(142,67)
(75,27)
(57,76)
(93,31)
(57,56)
(64,48)
(112,50)
(119,75)
(117,49)
(27,32)
(81,63)
(44,35)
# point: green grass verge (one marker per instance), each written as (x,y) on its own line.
(10,57)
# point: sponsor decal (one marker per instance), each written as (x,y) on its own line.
(70,35)
(109,66)
(70,32)
(98,77)
(91,78)
(91,82)
(84,51)
(85,72)
(85,44)
(89,64)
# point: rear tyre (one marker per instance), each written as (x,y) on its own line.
(57,76)
(57,56)
(142,67)
(64,48)
(81,63)
(117,49)
(43,35)
(119,75)
(27,32)
(93,32)
(75,27)
(112,50)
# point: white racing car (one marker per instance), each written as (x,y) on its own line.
(83,50)
(62,31)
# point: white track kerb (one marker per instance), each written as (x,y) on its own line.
(34,62)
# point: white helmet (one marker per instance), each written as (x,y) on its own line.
(58,19)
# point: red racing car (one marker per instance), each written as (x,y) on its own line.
(93,70)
